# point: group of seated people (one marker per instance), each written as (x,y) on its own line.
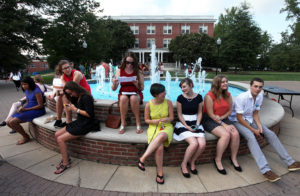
(217,114)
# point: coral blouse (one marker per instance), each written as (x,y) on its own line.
(220,107)
(82,82)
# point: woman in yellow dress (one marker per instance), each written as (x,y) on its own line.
(159,115)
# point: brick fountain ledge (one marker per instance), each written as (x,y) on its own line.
(107,146)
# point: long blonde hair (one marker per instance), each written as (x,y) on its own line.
(216,87)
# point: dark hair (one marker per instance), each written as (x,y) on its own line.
(61,63)
(38,79)
(216,87)
(257,80)
(74,87)
(28,80)
(156,89)
(188,81)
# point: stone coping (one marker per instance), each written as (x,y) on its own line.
(271,113)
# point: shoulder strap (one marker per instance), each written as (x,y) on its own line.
(110,107)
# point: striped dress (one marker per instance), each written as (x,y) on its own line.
(189,114)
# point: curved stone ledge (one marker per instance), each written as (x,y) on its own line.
(107,146)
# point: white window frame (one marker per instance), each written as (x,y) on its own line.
(136,43)
(167,29)
(134,29)
(151,29)
(166,42)
(150,41)
(185,29)
(44,65)
(32,65)
(203,29)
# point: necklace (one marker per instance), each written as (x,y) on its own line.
(189,99)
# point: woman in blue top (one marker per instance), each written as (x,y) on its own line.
(33,108)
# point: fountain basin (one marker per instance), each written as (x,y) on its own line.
(107,146)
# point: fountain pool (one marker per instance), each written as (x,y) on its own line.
(173,93)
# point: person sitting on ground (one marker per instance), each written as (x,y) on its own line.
(159,115)
(82,103)
(68,74)
(246,119)
(189,111)
(16,105)
(33,108)
(217,108)
(130,91)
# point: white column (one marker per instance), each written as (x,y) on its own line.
(143,54)
(140,59)
(162,56)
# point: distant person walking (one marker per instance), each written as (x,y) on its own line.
(15,76)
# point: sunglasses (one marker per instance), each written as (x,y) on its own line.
(128,62)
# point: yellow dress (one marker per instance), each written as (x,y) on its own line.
(157,112)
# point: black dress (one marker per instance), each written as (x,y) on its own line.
(83,124)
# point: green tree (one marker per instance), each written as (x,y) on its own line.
(264,58)
(188,48)
(241,38)
(20,31)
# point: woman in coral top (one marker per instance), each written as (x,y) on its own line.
(217,108)
(131,80)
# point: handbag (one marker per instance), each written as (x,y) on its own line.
(112,120)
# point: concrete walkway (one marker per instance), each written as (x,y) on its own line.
(28,170)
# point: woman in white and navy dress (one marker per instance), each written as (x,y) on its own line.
(189,110)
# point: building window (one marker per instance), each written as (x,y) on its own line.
(32,66)
(150,41)
(151,29)
(135,29)
(203,29)
(44,65)
(167,29)
(167,42)
(136,43)
(185,29)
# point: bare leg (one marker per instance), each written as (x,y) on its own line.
(60,132)
(135,107)
(15,124)
(189,152)
(123,110)
(159,154)
(61,141)
(222,144)
(14,109)
(200,148)
(234,144)
(160,138)
(67,109)
(59,107)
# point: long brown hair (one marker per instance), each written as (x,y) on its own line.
(216,87)
(73,86)
(61,63)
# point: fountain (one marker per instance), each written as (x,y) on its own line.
(155,75)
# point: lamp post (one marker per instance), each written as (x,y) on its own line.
(84,45)
(218,46)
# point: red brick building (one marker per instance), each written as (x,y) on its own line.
(161,30)
(37,66)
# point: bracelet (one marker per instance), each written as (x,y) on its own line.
(78,111)
(220,123)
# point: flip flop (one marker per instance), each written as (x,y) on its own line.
(139,129)
(121,130)
(142,166)
(62,168)
(160,177)
(23,141)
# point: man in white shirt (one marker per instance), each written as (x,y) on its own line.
(246,119)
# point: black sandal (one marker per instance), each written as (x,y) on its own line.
(160,177)
(140,167)
(61,162)
(62,168)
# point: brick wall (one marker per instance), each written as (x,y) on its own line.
(128,154)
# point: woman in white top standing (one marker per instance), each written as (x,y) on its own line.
(15,76)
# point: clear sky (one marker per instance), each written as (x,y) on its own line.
(266,13)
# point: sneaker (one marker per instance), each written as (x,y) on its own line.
(3,123)
(12,131)
(271,176)
(57,123)
(295,166)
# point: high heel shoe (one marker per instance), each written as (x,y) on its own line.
(194,171)
(186,175)
(237,168)
(221,171)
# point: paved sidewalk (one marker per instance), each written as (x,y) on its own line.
(28,170)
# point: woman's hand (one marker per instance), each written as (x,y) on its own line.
(70,107)
(21,109)
(217,118)
(190,129)
(51,97)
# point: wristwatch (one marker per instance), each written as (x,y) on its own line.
(78,111)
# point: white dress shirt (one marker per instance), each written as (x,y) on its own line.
(244,104)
